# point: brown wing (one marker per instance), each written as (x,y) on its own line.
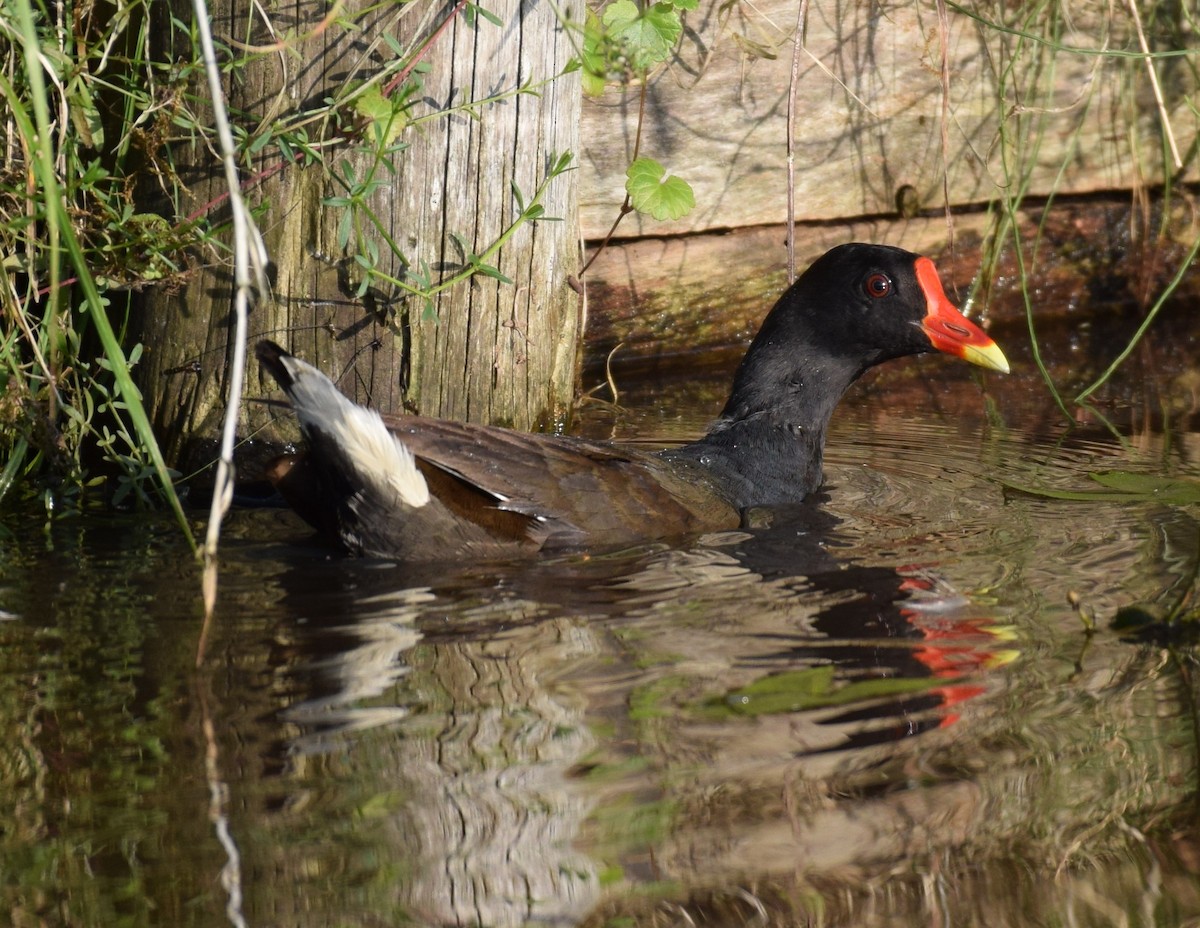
(554,490)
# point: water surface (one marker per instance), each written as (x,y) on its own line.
(885,708)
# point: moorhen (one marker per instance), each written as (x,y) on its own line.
(427,489)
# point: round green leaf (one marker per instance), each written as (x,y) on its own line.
(659,196)
(648,35)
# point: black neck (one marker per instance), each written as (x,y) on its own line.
(767,447)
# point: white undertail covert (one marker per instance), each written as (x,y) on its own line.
(380,459)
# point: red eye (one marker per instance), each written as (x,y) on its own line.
(878,285)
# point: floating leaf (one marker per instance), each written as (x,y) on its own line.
(652,193)
(1123,487)
(1138,618)
(1150,486)
(813,688)
(1154,623)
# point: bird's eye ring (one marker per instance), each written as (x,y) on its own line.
(877,285)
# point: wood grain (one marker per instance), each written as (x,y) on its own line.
(483,350)
(870,112)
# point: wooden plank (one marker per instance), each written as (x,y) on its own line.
(653,300)
(870,102)
(662,297)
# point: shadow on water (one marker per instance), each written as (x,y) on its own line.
(881,708)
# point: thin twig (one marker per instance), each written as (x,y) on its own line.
(401,77)
(1158,97)
(253,179)
(793,85)
(249,253)
(626,208)
(627,204)
(608,374)
(218,815)
(944,69)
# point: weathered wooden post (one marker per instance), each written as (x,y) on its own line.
(483,349)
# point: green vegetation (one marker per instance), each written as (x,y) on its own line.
(360,227)
(94,113)
(625,45)
(77,246)
(78,243)
(57,244)
(1035,93)
(1124,487)
(816,688)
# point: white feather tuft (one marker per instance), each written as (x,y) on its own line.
(379,457)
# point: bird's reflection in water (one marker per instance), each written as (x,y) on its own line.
(852,654)
(504,684)
(357,664)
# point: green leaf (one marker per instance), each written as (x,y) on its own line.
(592,82)
(1123,487)
(488,270)
(563,163)
(619,15)
(372,105)
(593,56)
(84,115)
(258,143)
(474,9)
(815,688)
(384,117)
(661,197)
(94,174)
(648,35)
(463,245)
(345,225)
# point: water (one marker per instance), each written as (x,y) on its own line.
(884,709)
